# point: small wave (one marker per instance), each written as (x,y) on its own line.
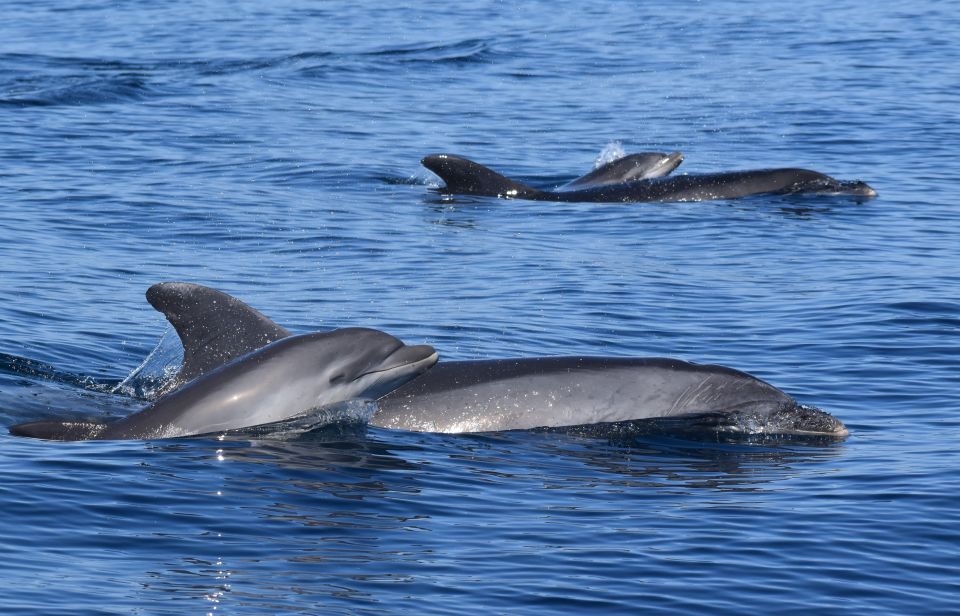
(470,50)
(24,367)
(926,307)
(34,80)
(59,91)
(348,418)
(421,178)
(25,64)
(242,65)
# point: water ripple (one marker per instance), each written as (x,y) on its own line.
(272,150)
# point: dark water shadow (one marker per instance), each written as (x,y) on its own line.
(667,461)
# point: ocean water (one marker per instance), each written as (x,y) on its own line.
(272,150)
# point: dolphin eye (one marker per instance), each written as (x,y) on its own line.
(337,378)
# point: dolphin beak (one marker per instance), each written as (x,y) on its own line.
(404,364)
(858,189)
(418,357)
(422,356)
(813,421)
(673,161)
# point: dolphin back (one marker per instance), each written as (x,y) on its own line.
(724,185)
(524,393)
(595,395)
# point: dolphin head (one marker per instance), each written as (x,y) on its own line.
(819,184)
(648,165)
(858,188)
(803,420)
(771,419)
(790,419)
(728,400)
(356,362)
(284,379)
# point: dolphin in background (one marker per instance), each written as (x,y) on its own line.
(463,176)
(241,370)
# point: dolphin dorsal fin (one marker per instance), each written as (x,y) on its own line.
(213,327)
(467,177)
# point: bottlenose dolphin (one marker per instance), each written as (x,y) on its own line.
(241,370)
(639,166)
(463,176)
(572,393)
(267,375)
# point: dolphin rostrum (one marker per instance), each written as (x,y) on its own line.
(463,176)
(241,370)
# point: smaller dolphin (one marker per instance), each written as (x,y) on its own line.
(241,370)
(463,176)
(639,166)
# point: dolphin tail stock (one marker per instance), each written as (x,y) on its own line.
(463,176)
(59,430)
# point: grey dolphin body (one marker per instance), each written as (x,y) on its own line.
(569,393)
(214,328)
(463,176)
(639,166)
(257,384)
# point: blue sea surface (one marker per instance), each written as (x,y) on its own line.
(271,150)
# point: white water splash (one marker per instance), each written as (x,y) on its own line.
(149,378)
(610,152)
(343,417)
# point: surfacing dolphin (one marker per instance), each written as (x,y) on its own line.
(639,166)
(571,394)
(463,176)
(595,395)
(242,370)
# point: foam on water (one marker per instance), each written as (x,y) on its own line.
(148,379)
(610,152)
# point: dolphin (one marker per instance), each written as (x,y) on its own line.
(639,166)
(463,176)
(241,370)
(596,395)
